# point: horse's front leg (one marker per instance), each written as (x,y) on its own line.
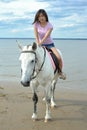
(48,99)
(34,85)
(35,100)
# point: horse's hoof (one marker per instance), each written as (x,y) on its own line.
(53,105)
(46,120)
(34,117)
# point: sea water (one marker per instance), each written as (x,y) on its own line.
(74,55)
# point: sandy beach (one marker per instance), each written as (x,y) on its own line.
(16,108)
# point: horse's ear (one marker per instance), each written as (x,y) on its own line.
(20,46)
(28,46)
(34,46)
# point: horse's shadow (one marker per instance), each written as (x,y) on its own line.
(70,110)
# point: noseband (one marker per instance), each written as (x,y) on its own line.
(34,76)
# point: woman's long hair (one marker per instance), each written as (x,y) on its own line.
(40,11)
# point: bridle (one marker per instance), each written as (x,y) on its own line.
(36,59)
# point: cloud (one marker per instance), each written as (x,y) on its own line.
(15,30)
(20,7)
(16,16)
(67,25)
(21,30)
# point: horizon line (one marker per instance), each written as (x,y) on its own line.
(34,38)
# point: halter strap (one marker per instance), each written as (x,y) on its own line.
(28,52)
(41,65)
(43,59)
(36,57)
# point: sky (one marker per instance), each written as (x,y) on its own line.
(68,17)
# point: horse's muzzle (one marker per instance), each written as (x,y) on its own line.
(26,84)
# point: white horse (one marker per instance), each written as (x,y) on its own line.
(36,69)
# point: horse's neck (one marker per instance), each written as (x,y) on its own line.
(40,54)
(44,62)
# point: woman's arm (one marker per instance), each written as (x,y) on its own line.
(46,35)
(44,38)
(36,35)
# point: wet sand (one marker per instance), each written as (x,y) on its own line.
(16,108)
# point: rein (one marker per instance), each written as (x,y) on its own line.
(34,76)
(29,52)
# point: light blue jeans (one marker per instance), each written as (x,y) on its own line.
(49,46)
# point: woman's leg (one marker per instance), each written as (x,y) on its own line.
(62,75)
(58,56)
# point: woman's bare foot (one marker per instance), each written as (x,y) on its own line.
(62,76)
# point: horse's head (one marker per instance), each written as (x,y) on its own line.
(28,59)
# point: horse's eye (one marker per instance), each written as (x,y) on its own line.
(32,61)
(21,71)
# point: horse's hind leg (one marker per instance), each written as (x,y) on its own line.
(53,104)
(48,99)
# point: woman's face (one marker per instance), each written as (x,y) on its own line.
(42,18)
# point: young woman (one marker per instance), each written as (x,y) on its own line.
(42,30)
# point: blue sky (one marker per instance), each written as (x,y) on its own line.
(69,17)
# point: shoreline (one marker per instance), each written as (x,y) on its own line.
(16,107)
(74,85)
